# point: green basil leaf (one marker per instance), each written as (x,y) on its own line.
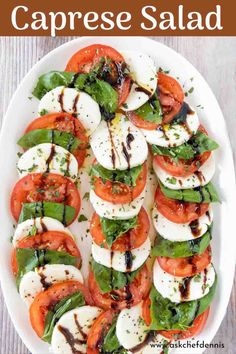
(167,315)
(40,136)
(104,94)
(113,229)
(51,80)
(197,145)
(28,259)
(68,303)
(109,279)
(128,177)
(205,194)
(63,213)
(150,111)
(111,343)
(166,248)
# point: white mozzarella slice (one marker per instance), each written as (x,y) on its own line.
(171,135)
(48,158)
(34,282)
(143,72)
(130,328)
(169,286)
(113,141)
(38,225)
(77,323)
(116,211)
(181,232)
(80,104)
(117,259)
(197,179)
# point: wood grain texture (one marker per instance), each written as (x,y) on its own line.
(215,58)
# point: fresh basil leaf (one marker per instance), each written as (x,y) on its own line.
(204,194)
(109,279)
(113,229)
(128,177)
(150,111)
(197,145)
(167,315)
(68,303)
(104,94)
(166,248)
(63,213)
(40,136)
(51,80)
(28,259)
(111,343)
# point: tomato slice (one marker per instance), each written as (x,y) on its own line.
(120,193)
(45,300)
(86,58)
(171,96)
(66,123)
(140,122)
(49,240)
(50,187)
(124,298)
(98,331)
(186,267)
(146,314)
(197,327)
(183,168)
(178,211)
(134,238)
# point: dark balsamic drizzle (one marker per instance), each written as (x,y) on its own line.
(61,100)
(80,329)
(70,339)
(204,281)
(74,108)
(208,215)
(199,176)
(199,190)
(113,148)
(43,281)
(184,288)
(129,140)
(195,229)
(126,154)
(44,227)
(50,157)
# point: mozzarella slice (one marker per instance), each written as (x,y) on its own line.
(181,232)
(116,211)
(118,260)
(75,324)
(169,286)
(197,179)
(48,158)
(80,104)
(38,225)
(171,135)
(119,145)
(36,281)
(143,72)
(130,328)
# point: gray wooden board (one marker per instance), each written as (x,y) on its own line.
(215,58)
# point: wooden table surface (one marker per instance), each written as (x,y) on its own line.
(215,58)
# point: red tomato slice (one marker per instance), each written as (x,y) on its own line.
(120,193)
(177,211)
(197,327)
(44,187)
(146,314)
(139,122)
(86,58)
(126,297)
(171,96)
(45,300)
(98,331)
(183,168)
(49,240)
(186,267)
(134,238)
(66,123)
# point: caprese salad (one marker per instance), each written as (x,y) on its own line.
(139,296)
